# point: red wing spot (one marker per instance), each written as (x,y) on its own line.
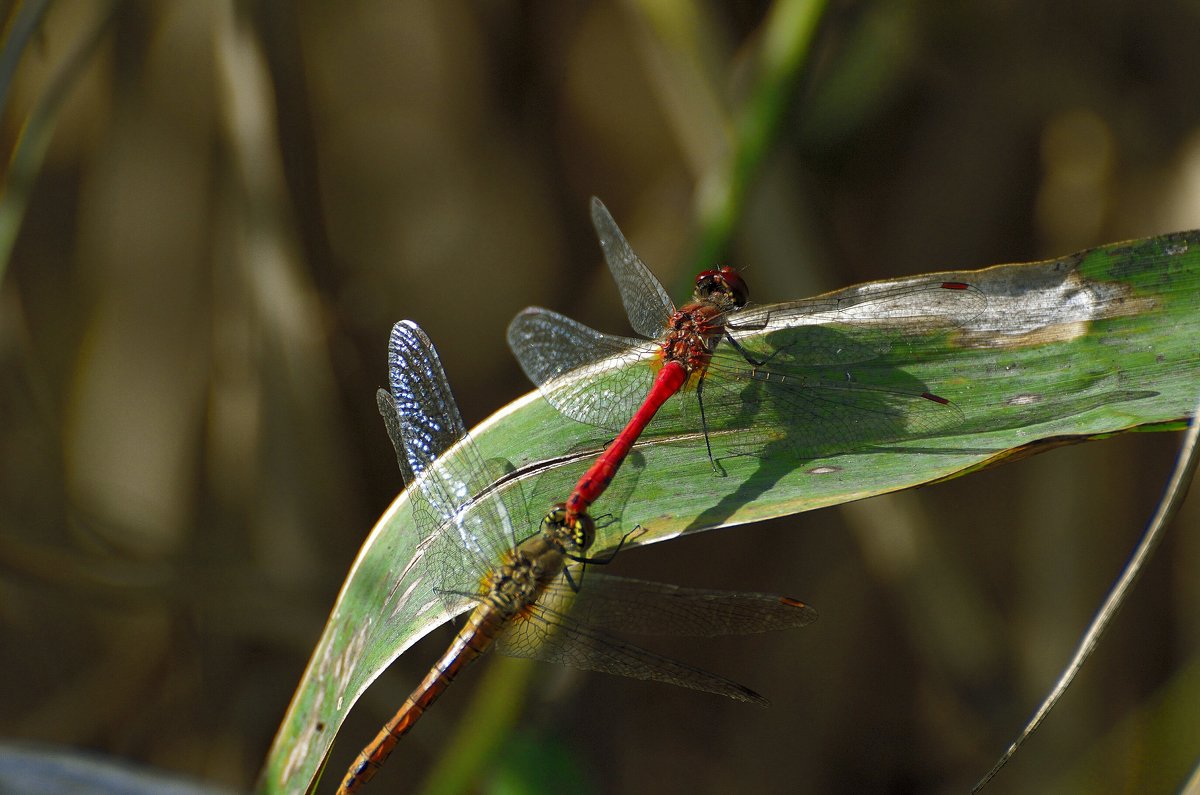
(790,602)
(935,398)
(956,286)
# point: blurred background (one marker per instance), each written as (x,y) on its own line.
(218,209)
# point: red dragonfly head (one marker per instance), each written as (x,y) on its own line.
(723,287)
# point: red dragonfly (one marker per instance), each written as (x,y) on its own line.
(745,372)
(475,540)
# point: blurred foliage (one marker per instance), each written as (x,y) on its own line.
(237,201)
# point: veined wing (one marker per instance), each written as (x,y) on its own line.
(430,423)
(914,307)
(641,607)
(544,634)
(808,410)
(391,421)
(806,389)
(450,474)
(646,302)
(915,304)
(589,376)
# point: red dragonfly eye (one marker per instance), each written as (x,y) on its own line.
(724,280)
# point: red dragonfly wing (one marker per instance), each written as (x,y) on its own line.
(892,310)
(589,376)
(830,380)
(646,302)
(832,374)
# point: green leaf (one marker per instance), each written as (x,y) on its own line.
(1065,350)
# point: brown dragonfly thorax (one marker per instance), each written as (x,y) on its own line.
(517,583)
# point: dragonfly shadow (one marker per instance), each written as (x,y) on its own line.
(822,391)
(831,390)
(779,457)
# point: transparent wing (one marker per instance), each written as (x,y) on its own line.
(827,374)
(641,607)
(391,420)
(646,302)
(917,307)
(805,410)
(832,377)
(430,423)
(544,634)
(467,524)
(813,411)
(589,376)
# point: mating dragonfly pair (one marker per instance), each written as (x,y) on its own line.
(735,368)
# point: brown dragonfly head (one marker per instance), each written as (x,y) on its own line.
(574,537)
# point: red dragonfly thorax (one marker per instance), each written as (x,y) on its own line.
(694,329)
(694,332)
(683,354)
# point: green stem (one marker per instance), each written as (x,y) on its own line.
(484,729)
(29,17)
(788,35)
(30,149)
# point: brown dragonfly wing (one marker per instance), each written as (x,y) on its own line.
(569,627)
(642,607)
(464,525)
(543,634)
(391,421)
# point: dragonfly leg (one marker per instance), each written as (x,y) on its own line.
(636,532)
(572,583)
(717,469)
(750,326)
(745,354)
(604,561)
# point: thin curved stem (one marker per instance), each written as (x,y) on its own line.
(1168,507)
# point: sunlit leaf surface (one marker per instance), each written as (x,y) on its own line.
(1059,351)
